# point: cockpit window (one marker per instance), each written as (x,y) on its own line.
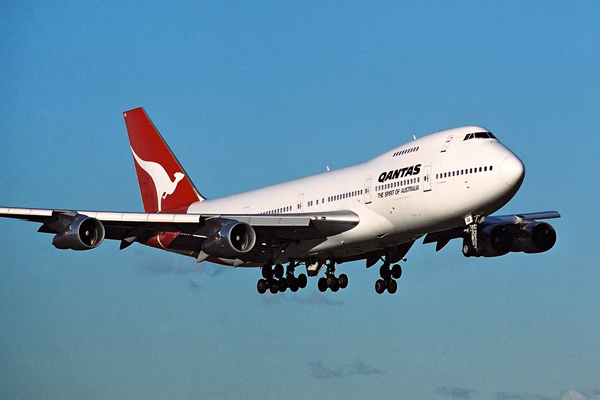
(479,135)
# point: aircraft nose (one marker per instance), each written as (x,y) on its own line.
(512,170)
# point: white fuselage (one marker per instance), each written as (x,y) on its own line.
(429,184)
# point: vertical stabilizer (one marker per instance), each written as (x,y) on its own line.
(164,184)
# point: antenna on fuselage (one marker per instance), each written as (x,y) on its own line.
(414,137)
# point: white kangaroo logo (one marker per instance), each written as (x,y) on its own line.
(162,182)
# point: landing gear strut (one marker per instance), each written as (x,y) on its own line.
(471,241)
(330,281)
(273,279)
(388,278)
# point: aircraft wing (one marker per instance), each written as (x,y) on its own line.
(521,218)
(516,220)
(186,232)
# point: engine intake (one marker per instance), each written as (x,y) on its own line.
(233,239)
(84,233)
(496,240)
(536,237)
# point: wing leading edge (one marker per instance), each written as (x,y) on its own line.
(186,233)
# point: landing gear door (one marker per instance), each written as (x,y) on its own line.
(427,178)
(368,191)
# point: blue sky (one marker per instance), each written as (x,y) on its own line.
(253,93)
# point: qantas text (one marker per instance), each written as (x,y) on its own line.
(400,173)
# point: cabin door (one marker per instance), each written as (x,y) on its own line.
(300,201)
(368,191)
(427,178)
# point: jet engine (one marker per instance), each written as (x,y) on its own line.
(231,240)
(536,237)
(84,233)
(496,240)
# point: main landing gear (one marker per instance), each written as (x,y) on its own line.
(388,278)
(273,279)
(330,281)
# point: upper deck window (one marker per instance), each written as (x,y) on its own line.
(479,135)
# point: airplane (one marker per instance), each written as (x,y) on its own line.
(441,186)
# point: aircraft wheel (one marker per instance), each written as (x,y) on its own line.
(293,284)
(396,271)
(392,286)
(331,280)
(466,250)
(267,272)
(302,281)
(278,271)
(343,281)
(335,286)
(262,286)
(469,251)
(283,285)
(384,271)
(380,286)
(322,284)
(274,287)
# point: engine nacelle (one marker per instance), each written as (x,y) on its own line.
(233,239)
(536,237)
(84,233)
(496,240)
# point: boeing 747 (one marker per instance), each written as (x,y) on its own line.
(442,186)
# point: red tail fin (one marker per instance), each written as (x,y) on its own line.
(163,182)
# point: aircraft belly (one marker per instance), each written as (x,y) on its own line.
(373,232)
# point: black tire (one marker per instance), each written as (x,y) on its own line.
(392,286)
(469,251)
(302,281)
(283,285)
(343,281)
(396,271)
(335,286)
(384,271)
(466,250)
(380,286)
(274,287)
(267,272)
(262,286)
(322,284)
(331,280)
(278,271)
(294,286)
